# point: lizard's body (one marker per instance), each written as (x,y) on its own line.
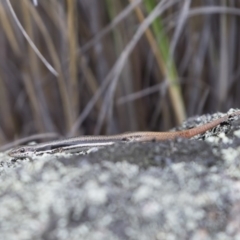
(87,142)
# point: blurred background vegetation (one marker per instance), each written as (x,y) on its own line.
(110,66)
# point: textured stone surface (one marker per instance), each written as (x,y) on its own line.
(182,189)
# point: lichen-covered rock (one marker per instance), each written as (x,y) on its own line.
(182,189)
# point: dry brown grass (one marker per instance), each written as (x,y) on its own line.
(115,66)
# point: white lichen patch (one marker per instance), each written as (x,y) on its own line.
(150,209)
(214,140)
(95,194)
(230,155)
(224,138)
(129,170)
(3,154)
(150,180)
(143,192)
(237,133)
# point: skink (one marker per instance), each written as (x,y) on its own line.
(87,142)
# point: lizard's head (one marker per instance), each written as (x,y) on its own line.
(22,152)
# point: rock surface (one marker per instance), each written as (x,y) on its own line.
(181,189)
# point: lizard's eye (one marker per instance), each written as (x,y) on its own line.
(22,150)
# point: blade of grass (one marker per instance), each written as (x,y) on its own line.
(160,63)
(88,74)
(62,83)
(32,69)
(35,69)
(170,71)
(8,30)
(7,121)
(45,62)
(111,26)
(117,69)
(224,59)
(128,120)
(72,42)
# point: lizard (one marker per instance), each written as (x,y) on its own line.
(83,143)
